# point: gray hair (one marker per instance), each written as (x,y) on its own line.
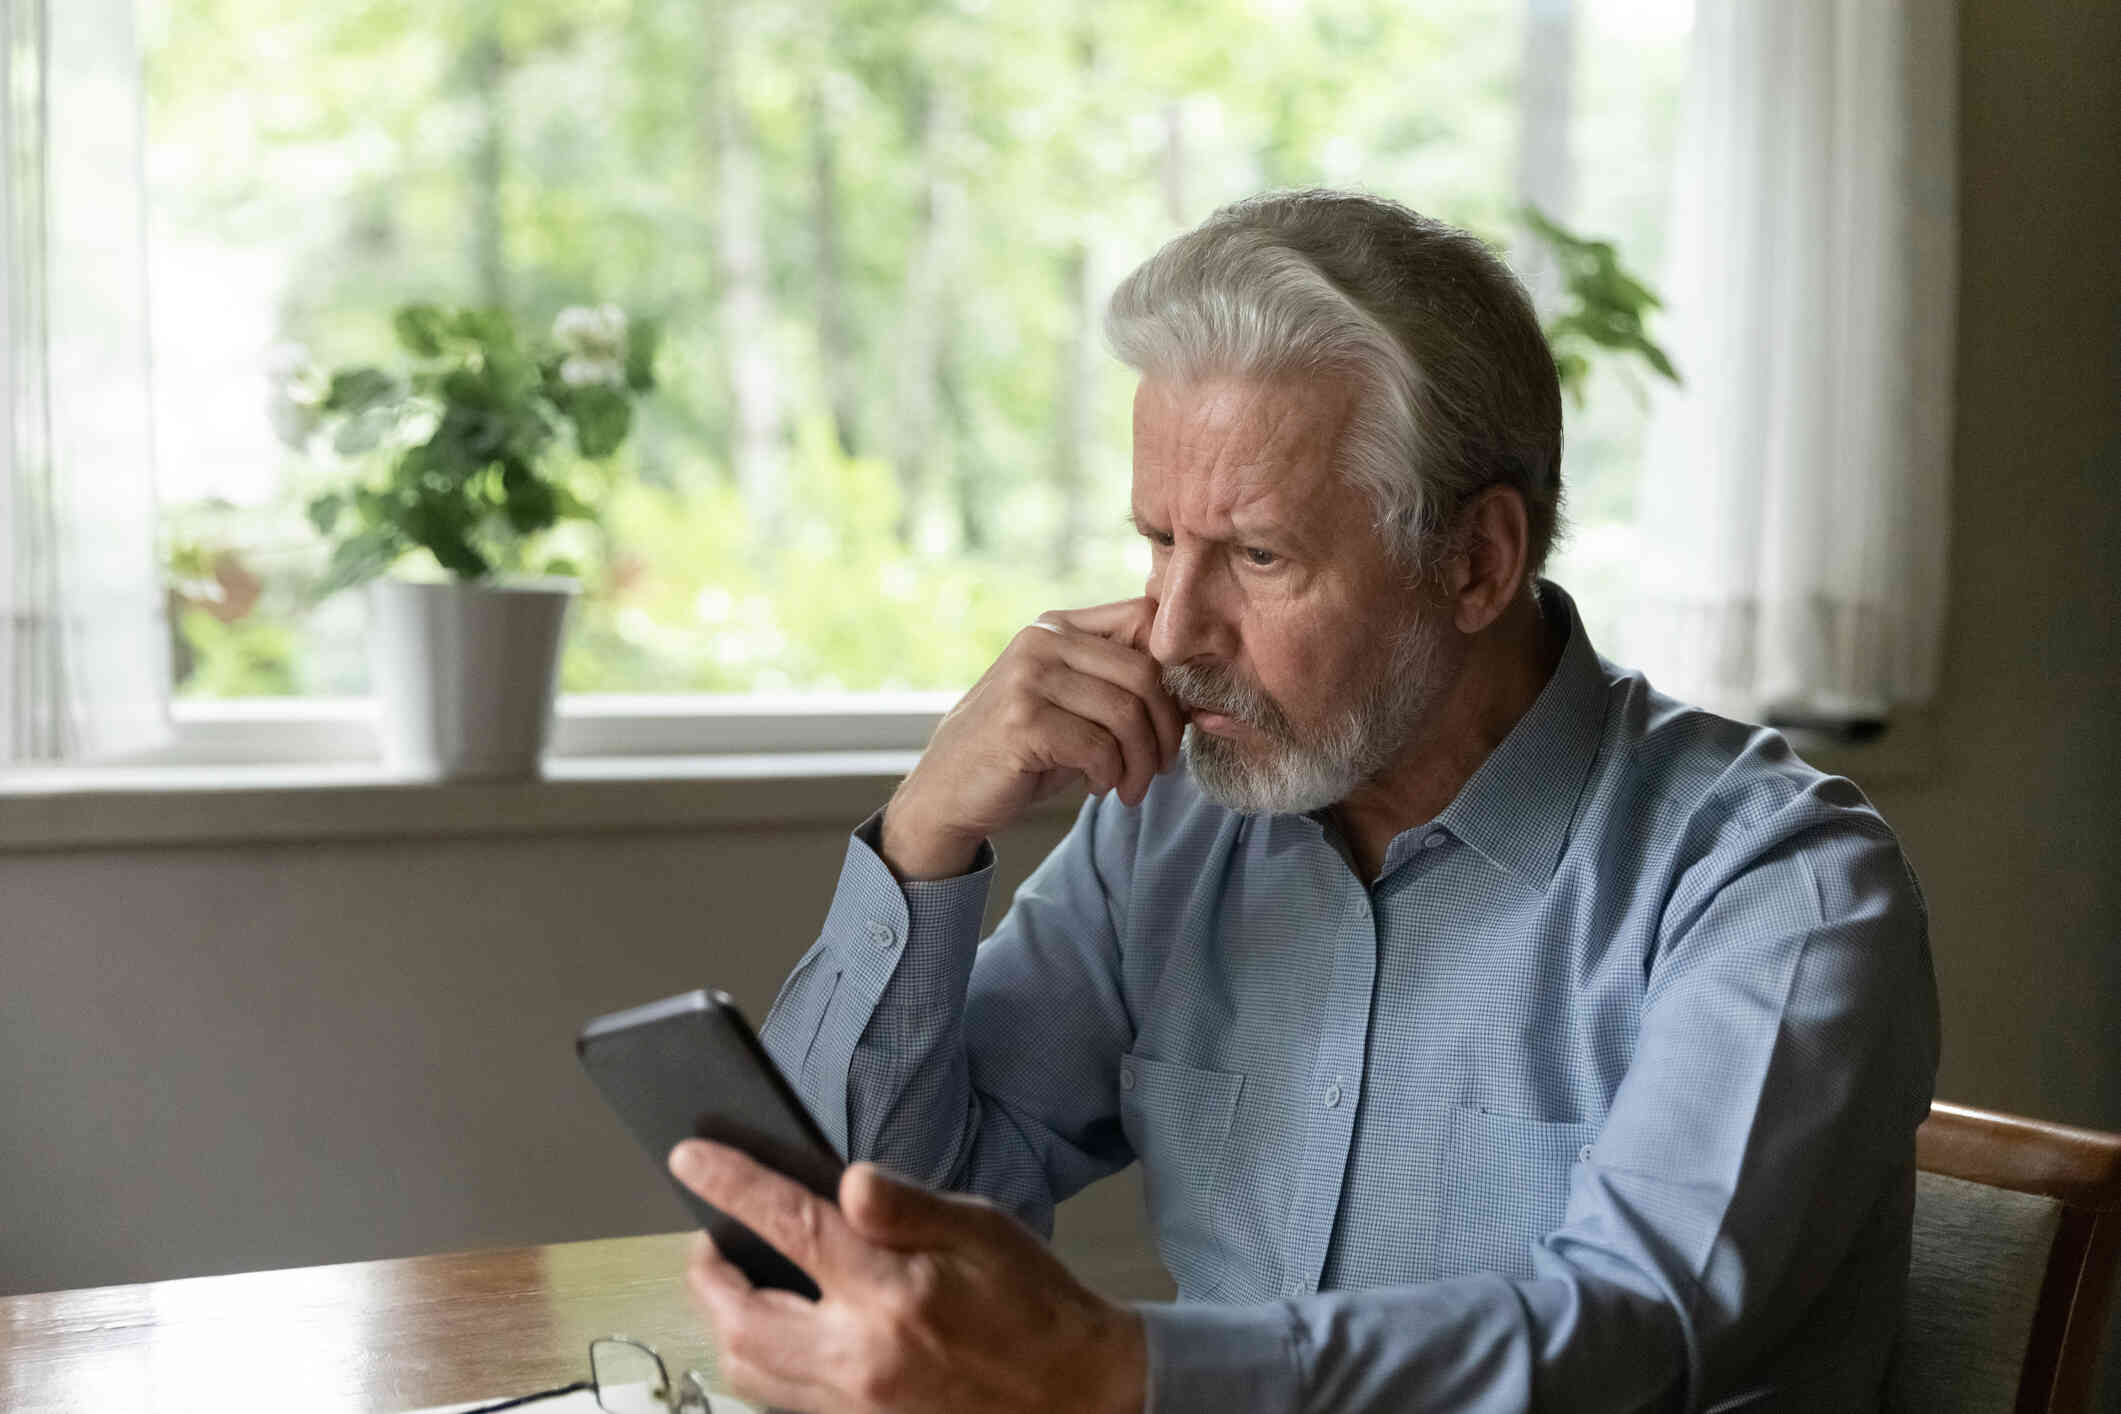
(1457,386)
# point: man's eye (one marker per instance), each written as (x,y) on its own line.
(1262,558)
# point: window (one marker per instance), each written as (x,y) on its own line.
(877,238)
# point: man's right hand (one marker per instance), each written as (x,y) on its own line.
(1074,697)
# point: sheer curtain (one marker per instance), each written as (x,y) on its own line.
(84,659)
(1794,508)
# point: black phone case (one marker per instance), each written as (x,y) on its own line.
(691,1067)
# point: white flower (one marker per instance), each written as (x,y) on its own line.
(579,372)
(598,334)
(286,361)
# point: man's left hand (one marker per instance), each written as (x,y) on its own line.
(930,1302)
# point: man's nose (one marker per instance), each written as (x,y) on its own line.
(1188,625)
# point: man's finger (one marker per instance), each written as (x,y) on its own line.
(1119,658)
(808,1230)
(891,1212)
(1123,716)
(765,1347)
(1083,745)
(1123,620)
(1135,673)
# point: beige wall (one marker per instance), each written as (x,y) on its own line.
(227,1059)
(237,1057)
(2017,837)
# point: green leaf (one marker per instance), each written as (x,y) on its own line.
(376,510)
(441,523)
(642,339)
(492,328)
(528,431)
(360,433)
(1606,308)
(481,432)
(568,506)
(530,506)
(466,387)
(355,390)
(602,417)
(324,511)
(455,554)
(420,329)
(356,560)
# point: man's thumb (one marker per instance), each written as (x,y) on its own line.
(891,1212)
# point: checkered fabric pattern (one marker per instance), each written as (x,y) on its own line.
(1603,1096)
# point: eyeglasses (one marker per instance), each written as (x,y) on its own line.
(627,1377)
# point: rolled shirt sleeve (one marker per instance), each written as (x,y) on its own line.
(1003,1085)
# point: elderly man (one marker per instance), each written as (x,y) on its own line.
(1495,1032)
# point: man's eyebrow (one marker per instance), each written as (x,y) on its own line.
(1274,535)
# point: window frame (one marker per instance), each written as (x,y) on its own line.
(317,731)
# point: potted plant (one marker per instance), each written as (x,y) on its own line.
(464,465)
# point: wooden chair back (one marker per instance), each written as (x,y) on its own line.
(2017,1224)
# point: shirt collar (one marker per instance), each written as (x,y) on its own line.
(1518,806)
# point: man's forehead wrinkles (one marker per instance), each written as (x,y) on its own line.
(1239,461)
(1247,512)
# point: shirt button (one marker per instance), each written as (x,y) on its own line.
(1435,838)
(1126,1079)
(1584,1153)
(882,935)
(1333,1095)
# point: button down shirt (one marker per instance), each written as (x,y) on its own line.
(1601,1096)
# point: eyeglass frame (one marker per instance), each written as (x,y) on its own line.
(692,1399)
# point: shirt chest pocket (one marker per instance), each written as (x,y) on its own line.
(1505,1185)
(1177,1118)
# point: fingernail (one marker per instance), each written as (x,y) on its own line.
(688,1159)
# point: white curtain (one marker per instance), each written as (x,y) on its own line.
(84,660)
(1794,509)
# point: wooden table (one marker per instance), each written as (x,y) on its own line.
(367,1336)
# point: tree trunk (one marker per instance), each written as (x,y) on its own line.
(834,338)
(747,315)
(970,488)
(917,449)
(1072,429)
(486,69)
(1546,171)
(1076,373)
(1174,163)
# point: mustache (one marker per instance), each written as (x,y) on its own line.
(1216,689)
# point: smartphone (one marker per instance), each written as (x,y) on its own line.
(690,1067)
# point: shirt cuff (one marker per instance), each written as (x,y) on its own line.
(1208,1359)
(875,920)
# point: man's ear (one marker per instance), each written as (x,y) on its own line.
(1491,548)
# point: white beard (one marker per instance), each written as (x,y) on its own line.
(1292,775)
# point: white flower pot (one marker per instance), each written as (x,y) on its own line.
(464,675)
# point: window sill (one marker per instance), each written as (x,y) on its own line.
(286,771)
(207,805)
(222,802)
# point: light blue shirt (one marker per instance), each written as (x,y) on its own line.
(1603,1096)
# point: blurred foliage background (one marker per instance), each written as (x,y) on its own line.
(877,236)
